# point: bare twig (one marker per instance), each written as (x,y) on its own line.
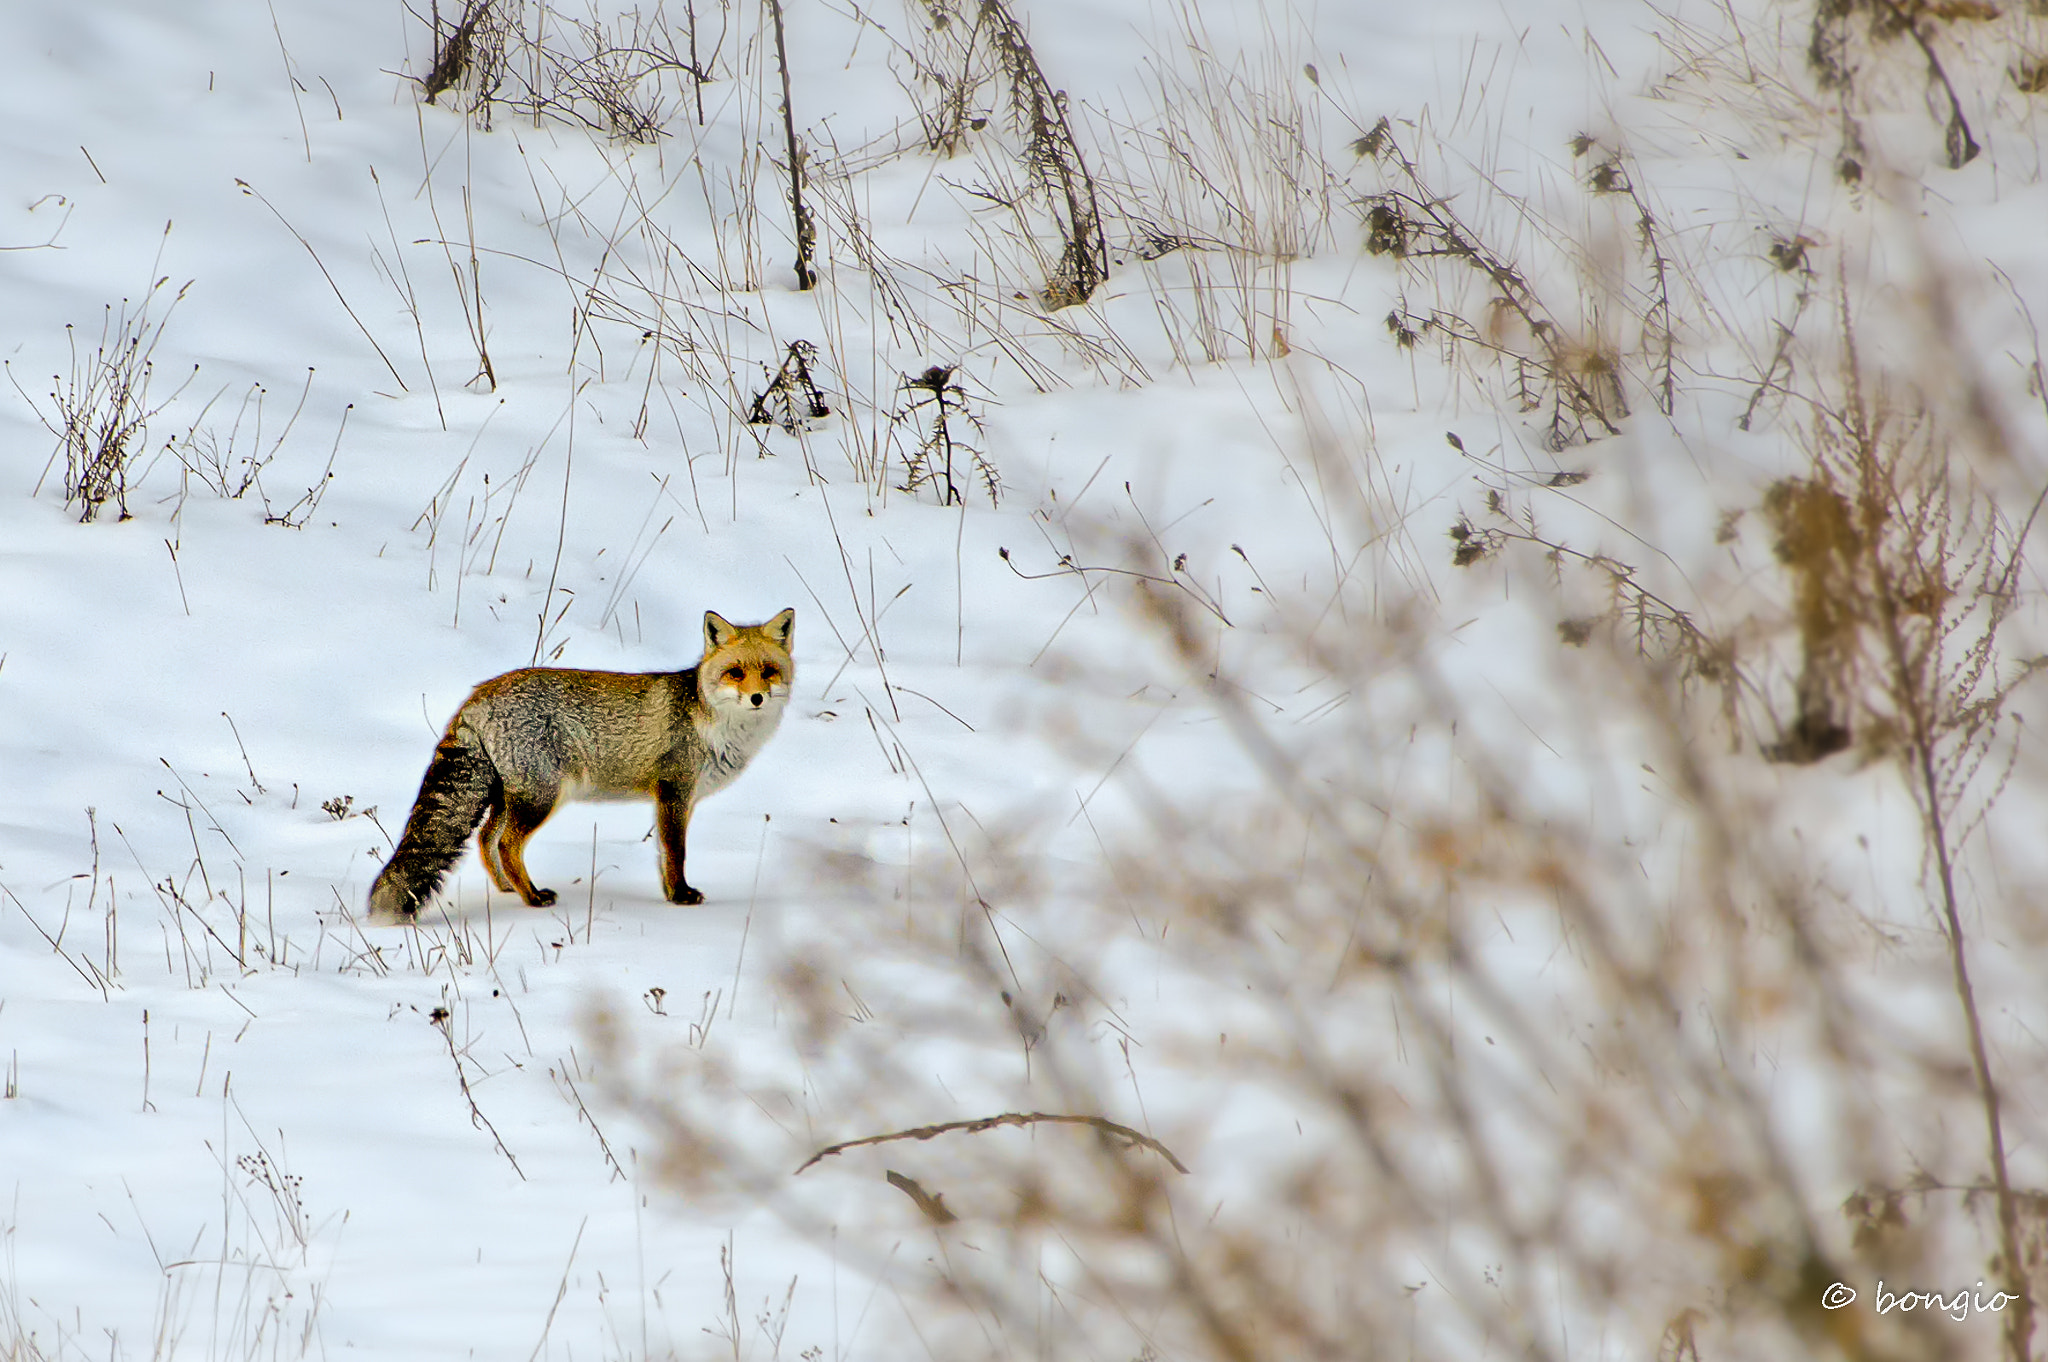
(444,1023)
(1009,1118)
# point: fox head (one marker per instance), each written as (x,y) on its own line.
(746,666)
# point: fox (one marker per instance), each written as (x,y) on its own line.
(525,743)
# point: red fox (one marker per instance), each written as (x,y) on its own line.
(529,741)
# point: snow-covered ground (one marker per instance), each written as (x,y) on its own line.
(243,1120)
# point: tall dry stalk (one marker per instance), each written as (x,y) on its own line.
(1052,157)
(805,228)
(994,52)
(1904,576)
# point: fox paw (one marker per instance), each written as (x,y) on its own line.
(542,898)
(686,895)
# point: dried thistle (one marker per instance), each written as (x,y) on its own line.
(936,398)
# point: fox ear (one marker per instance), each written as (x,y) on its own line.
(783,627)
(717,630)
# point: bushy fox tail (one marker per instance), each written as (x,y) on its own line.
(454,794)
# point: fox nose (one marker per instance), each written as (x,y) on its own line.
(758,699)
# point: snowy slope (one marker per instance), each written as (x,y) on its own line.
(242,1120)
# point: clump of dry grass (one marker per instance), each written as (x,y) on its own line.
(993,52)
(1560,367)
(1223,187)
(620,77)
(230,463)
(100,412)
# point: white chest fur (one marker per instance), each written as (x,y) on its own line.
(732,737)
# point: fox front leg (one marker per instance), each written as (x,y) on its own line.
(672,826)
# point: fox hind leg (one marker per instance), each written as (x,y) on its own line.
(505,854)
(487,840)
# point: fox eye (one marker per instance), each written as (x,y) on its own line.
(735,673)
(771,674)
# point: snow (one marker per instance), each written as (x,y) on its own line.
(243,1120)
